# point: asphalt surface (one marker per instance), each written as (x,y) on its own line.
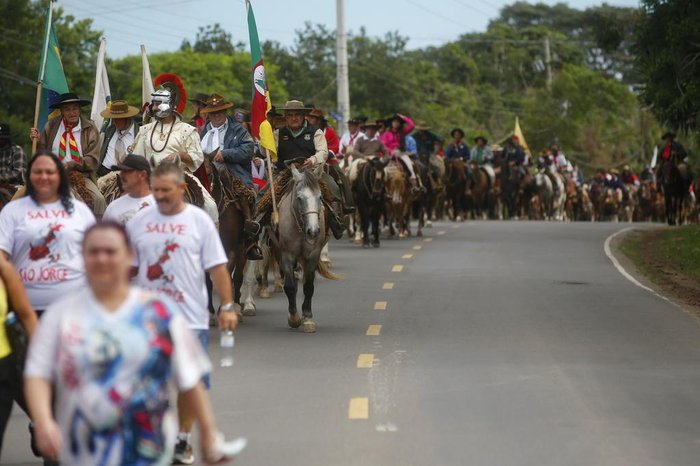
(502,343)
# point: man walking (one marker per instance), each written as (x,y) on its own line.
(175,243)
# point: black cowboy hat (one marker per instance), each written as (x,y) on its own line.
(393,117)
(476,139)
(668,134)
(359,119)
(273,112)
(69,98)
(452,133)
(200,98)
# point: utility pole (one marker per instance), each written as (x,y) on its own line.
(548,63)
(341,58)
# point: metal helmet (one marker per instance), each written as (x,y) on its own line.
(166,105)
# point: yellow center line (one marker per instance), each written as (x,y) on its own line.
(365,361)
(358,408)
(380,306)
(454,227)
(441,232)
(417,247)
(407,256)
(428,240)
(374,330)
(397,268)
(388,286)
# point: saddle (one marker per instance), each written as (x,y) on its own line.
(282,186)
(229,189)
(488,169)
(80,190)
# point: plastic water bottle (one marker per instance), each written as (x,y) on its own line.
(226,343)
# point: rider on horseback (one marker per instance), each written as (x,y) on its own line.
(232,146)
(370,146)
(481,153)
(298,139)
(76,140)
(13,160)
(394,138)
(672,152)
(457,149)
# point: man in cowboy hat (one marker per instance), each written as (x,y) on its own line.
(232,146)
(76,142)
(672,152)
(425,140)
(13,160)
(481,153)
(457,149)
(367,147)
(317,117)
(118,136)
(352,135)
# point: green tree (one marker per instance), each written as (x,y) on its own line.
(212,39)
(668,61)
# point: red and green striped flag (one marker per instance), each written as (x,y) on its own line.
(261,103)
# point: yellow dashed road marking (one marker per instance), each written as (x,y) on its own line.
(365,361)
(374,330)
(397,268)
(441,232)
(454,227)
(417,247)
(388,286)
(407,256)
(380,306)
(358,408)
(428,240)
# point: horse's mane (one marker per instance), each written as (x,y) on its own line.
(309,180)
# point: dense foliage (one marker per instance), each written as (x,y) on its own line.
(479,81)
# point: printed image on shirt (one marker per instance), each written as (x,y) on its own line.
(157,269)
(120,418)
(42,246)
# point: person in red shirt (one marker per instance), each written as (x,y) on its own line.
(672,151)
(317,118)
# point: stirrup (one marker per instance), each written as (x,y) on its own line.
(252,228)
(254,253)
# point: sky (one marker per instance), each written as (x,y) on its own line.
(162,26)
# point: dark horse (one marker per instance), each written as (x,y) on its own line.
(369,196)
(456,186)
(231,197)
(676,182)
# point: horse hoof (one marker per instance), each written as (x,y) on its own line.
(420,233)
(278,288)
(365,245)
(264,293)
(309,326)
(294,320)
(428,224)
(375,244)
(249,311)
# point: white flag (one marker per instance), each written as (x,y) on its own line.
(102,97)
(147,88)
(653,158)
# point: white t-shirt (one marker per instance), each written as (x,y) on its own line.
(112,372)
(172,254)
(124,208)
(44,243)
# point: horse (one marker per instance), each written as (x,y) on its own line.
(510,188)
(541,197)
(559,198)
(369,198)
(302,233)
(629,203)
(478,190)
(398,199)
(438,188)
(646,198)
(456,186)
(676,182)
(572,205)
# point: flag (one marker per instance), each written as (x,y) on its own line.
(654,157)
(147,82)
(102,97)
(261,102)
(519,133)
(51,76)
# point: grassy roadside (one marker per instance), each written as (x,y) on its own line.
(670,258)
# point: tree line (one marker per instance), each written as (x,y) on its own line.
(618,75)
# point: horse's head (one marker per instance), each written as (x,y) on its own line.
(377,178)
(395,183)
(306,201)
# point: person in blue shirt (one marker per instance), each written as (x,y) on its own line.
(457,148)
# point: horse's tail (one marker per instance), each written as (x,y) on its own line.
(324,270)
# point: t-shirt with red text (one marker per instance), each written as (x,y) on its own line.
(172,254)
(124,208)
(44,243)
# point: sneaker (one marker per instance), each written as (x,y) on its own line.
(183,453)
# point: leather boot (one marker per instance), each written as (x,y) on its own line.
(334,221)
(251,230)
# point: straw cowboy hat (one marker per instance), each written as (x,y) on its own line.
(371,124)
(297,105)
(318,113)
(422,126)
(119,109)
(69,98)
(215,103)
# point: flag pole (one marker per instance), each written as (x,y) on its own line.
(40,84)
(274,218)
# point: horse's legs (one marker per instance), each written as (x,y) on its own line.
(374,212)
(247,288)
(364,223)
(309,326)
(287,267)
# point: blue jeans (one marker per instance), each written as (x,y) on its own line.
(203,337)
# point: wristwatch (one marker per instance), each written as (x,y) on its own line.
(228,307)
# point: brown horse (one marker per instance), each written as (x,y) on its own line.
(478,190)
(456,187)
(398,199)
(646,199)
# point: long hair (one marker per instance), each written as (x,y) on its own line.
(63,187)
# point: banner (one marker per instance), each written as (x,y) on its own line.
(102,96)
(51,75)
(261,102)
(147,81)
(519,133)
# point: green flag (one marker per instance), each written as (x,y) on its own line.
(51,73)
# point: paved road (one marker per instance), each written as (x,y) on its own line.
(501,344)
